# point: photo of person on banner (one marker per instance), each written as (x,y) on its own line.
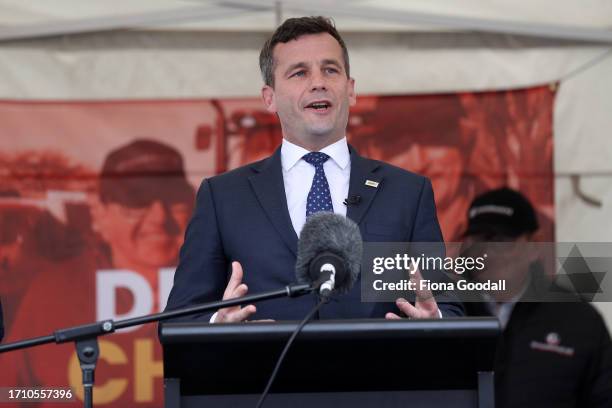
(424,135)
(143,205)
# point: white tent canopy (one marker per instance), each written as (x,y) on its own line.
(588,19)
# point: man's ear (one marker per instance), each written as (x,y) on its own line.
(269,99)
(352,95)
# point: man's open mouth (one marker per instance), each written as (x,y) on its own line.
(319,105)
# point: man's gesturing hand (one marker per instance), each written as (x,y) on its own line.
(235,289)
(425,306)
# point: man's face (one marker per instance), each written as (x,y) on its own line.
(508,258)
(311,92)
(148,236)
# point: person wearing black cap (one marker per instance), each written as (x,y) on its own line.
(503,211)
(144,206)
(551,354)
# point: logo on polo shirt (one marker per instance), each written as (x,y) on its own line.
(553,339)
(552,344)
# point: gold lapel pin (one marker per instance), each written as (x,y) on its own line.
(371,183)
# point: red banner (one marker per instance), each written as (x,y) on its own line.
(95,197)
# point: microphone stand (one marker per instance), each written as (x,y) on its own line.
(86,336)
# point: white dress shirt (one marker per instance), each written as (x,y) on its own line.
(298,176)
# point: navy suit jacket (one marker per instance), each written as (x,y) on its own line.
(242,216)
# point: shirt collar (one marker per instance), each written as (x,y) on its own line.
(292,153)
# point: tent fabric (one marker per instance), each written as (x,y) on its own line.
(586,13)
(192,64)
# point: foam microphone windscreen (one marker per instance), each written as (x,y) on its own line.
(332,233)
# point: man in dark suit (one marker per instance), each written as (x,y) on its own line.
(251,217)
(551,353)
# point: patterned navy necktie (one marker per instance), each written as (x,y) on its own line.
(319,197)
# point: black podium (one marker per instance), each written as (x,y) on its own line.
(349,363)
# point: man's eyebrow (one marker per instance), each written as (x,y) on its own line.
(295,66)
(331,62)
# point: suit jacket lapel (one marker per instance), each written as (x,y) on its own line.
(267,183)
(362,170)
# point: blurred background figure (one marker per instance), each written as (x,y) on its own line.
(16,221)
(139,218)
(144,205)
(424,135)
(551,354)
(31,240)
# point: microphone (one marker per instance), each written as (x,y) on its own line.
(329,253)
(352,200)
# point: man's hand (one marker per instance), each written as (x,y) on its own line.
(425,306)
(235,289)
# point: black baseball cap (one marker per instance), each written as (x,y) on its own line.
(501,212)
(143,171)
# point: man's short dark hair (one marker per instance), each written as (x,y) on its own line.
(292,29)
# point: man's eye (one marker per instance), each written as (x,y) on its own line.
(298,74)
(331,70)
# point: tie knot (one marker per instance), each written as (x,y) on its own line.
(315,158)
